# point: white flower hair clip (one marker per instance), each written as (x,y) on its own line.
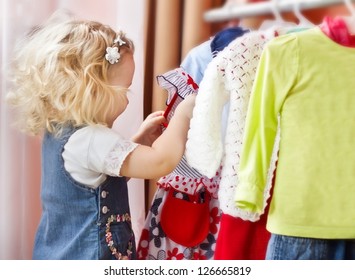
(113,53)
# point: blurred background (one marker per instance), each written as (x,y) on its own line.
(163,31)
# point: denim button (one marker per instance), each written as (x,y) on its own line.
(103,194)
(105,209)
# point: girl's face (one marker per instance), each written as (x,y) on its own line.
(121,75)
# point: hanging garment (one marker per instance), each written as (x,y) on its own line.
(197,60)
(223,38)
(336,29)
(183,221)
(183,195)
(298,88)
(231,74)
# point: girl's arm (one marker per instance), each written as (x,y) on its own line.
(166,151)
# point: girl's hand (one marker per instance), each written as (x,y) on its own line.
(150,129)
(165,153)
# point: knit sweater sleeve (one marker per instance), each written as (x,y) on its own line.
(275,76)
(244,57)
(204,148)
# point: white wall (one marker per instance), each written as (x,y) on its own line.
(19,154)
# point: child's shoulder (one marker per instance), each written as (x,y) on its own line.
(98,134)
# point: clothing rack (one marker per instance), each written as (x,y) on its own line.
(233,11)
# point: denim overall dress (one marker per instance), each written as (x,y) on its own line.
(79,222)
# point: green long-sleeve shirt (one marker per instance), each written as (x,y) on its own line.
(309,81)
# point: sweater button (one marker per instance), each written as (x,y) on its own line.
(103,194)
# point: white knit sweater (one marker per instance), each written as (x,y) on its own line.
(228,79)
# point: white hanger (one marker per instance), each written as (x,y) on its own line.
(278,21)
(303,21)
(275,10)
(350,7)
(350,20)
(235,10)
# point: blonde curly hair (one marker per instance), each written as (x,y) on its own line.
(60,74)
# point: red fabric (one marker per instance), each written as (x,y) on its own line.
(336,29)
(242,240)
(186,222)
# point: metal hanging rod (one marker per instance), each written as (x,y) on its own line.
(232,11)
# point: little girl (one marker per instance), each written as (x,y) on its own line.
(70,82)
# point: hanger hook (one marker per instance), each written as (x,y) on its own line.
(275,10)
(301,18)
(350,7)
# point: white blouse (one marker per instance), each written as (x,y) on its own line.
(93,152)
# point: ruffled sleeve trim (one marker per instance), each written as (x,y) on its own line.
(177,81)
